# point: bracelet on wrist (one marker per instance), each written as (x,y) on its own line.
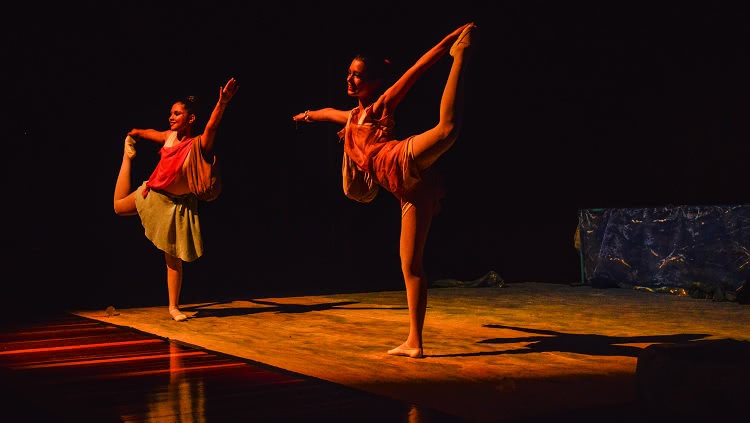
(306,118)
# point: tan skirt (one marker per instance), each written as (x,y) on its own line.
(171,222)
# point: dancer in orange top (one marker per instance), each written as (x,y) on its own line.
(167,206)
(373,158)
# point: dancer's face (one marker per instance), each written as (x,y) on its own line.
(357,82)
(179,118)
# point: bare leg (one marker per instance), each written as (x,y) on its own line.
(427,147)
(415,224)
(124,202)
(431,144)
(174,285)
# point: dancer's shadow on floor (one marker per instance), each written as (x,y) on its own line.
(203,310)
(589,344)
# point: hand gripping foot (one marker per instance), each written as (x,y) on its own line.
(463,40)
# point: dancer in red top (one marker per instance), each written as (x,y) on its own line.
(373,158)
(167,206)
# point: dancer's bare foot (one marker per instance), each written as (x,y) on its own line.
(403,350)
(177,315)
(130,147)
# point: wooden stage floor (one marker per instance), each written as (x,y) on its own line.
(520,353)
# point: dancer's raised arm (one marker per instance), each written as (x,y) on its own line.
(396,92)
(209,132)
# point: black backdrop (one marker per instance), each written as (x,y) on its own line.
(590,104)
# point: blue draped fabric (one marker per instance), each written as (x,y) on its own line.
(676,246)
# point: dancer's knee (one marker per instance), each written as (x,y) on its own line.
(174,263)
(125,207)
(412,271)
(120,210)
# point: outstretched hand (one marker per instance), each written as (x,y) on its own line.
(227,92)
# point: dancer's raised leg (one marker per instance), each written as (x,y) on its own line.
(431,144)
(124,201)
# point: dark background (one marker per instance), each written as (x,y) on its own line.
(569,106)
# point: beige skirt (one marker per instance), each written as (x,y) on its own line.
(171,222)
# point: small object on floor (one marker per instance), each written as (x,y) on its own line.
(407,352)
(111,311)
(130,146)
(490,279)
(177,315)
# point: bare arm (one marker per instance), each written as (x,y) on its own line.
(327,114)
(209,133)
(396,92)
(149,134)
